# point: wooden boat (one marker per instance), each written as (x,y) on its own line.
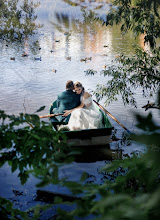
(100,137)
(89,137)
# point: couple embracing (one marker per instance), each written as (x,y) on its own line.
(77,107)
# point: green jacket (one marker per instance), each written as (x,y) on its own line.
(65,101)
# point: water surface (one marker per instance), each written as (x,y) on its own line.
(27,84)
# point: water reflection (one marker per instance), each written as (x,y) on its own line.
(17,21)
(65,34)
(98,154)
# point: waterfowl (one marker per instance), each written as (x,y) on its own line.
(105,66)
(67,33)
(25,55)
(105,46)
(12,58)
(68,58)
(83,60)
(57,40)
(54,70)
(37,58)
(51,51)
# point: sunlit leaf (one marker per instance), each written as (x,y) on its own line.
(84,176)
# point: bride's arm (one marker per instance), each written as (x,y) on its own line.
(67,112)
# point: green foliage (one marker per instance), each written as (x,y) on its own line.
(36,148)
(141,16)
(90,72)
(141,71)
(31,146)
(40,109)
(89,16)
(131,187)
(7,210)
(71,3)
(17,22)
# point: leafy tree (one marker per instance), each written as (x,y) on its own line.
(129,73)
(141,16)
(142,70)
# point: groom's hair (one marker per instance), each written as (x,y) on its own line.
(69,85)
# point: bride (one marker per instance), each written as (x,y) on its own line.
(86,115)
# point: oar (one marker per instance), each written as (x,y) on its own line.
(112,116)
(44,116)
(51,115)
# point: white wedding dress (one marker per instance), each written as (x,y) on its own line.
(88,117)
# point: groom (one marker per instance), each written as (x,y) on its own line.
(65,101)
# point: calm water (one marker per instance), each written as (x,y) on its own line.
(27,84)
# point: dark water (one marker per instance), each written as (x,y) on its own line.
(27,84)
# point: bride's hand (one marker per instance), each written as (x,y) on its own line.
(67,112)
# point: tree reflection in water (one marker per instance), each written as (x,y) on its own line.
(17,21)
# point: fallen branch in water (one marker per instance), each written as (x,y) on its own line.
(150,105)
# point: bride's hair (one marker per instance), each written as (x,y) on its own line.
(79,85)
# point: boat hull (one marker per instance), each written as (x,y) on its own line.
(99,137)
(89,137)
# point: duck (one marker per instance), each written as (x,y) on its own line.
(25,55)
(37,58)
(67,33)
(51,51)
(57,40)
(105,46)
(83,60)
(12,58)
(68,58)
(54,70)
(105,66)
